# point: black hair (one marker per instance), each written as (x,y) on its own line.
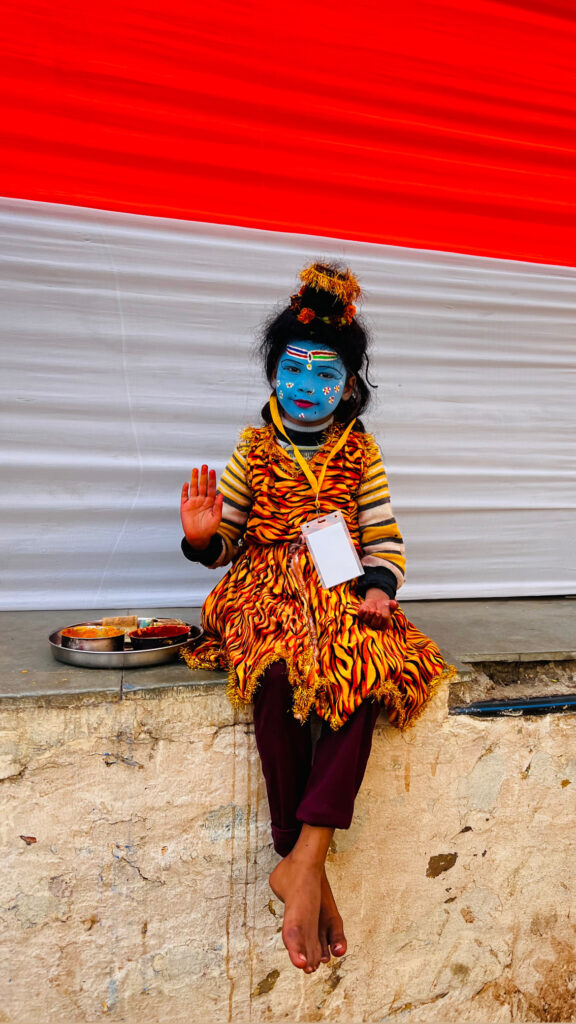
(350,341)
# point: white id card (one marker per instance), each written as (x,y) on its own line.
(333,553)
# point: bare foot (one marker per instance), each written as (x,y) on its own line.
(330,926)
(299,885)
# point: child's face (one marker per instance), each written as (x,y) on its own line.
(310,382)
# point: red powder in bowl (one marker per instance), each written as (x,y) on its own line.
(159,631)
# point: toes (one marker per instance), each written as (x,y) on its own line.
(325,954)
(292,939)
(338,946)
(294,942)
(331,925)
(337,939)
(299,960)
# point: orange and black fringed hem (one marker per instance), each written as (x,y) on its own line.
(270,606)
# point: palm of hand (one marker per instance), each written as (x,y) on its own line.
(201,508)
(376,609)
(200,516)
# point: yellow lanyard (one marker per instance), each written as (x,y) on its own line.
(315,482)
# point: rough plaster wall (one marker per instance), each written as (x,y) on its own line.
(144,898)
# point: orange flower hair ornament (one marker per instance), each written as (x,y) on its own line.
(306,315)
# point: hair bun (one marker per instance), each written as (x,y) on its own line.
(328,277)
(327,293)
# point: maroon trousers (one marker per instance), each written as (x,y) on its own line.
(307,783)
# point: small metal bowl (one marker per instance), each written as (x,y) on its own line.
(92,638)
(158,636)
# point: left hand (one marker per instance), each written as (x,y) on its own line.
(376,609)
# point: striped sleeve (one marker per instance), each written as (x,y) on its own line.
(235,488)
(380,538)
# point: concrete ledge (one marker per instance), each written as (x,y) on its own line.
(514,656)
(470,633)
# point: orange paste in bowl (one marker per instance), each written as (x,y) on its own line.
(92,632)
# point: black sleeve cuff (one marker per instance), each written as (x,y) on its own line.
(206,556)
(380,577)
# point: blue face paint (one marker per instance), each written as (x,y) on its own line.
(310,382)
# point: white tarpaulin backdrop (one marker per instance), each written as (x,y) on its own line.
(128,357)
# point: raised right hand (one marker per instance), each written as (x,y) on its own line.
(200,508)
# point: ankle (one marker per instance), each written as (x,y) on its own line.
(305,860)
(313,844)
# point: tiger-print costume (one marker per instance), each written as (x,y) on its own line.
(270,605)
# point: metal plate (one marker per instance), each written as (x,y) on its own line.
(127,658)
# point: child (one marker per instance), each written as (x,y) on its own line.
(297,649)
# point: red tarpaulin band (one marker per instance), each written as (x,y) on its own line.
(436,125)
